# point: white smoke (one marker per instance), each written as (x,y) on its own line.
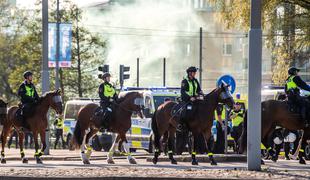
(150,30)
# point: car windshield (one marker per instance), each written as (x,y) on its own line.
(158,100)
(72,111)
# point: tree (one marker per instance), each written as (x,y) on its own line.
(286,24)
(21,49)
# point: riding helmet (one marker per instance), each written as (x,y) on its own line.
(27,74)
(191,69)
(105,75)
(293,70)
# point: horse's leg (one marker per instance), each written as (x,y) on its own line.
(112,150)
(43,141)
(123,138)
(171,144)
(36,146)
(156,147)
(4,135)
(88,147)
(301,153)
(21,136)
(83,148)
(195,146)
(207,136)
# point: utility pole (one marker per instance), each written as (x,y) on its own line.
(200,56)
(254,90)
(138,72)
(164,72)
(45,70)
(57,47)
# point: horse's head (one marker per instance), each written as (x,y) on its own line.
(3,109)
(55,101)
(133,101)
(225,96)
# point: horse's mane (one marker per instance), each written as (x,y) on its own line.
(2,102)
(45,95)
(122,96)
(207,96)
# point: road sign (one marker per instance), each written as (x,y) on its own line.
(228,79)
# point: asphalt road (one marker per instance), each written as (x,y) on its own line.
(74,168)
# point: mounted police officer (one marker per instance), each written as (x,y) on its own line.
(28,96)
(108,95)
(292,88)
(190,91)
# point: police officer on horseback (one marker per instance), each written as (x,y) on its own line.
(108,95)
(292,88)
(190,91)
(28,96)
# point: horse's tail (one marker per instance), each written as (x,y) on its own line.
(155,131)
(243,138)
(77,139)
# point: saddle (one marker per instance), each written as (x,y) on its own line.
(104,116)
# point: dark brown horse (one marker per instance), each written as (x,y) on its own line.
(37,124)
(276,113)
(200,122)
(88,125)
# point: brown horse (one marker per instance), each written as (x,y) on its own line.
(276,113)
(88,125)
(37,124)
(200,122)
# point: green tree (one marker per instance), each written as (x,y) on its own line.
(286,25)
(21,48)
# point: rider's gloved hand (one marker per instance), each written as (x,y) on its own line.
(192,98)
(111,100)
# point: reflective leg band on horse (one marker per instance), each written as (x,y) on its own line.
(2,154)
(126,148)
(210,154)
(22,153)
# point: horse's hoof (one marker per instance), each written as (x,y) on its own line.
(39,161)
(274,158)
(3,161)
(154,160)
(173,161)
(25,160)
(86,161)
(302,161)
(132,161)
(213,163)
(262,162)
(194,162)
(110,161)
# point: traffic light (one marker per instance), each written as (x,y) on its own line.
(122,76)
(103,69)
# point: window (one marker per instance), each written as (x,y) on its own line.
(227,49)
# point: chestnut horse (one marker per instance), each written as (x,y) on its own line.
(37,124)
(276,113)
(200,122)
(88,125)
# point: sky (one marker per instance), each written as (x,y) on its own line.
(30,3)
